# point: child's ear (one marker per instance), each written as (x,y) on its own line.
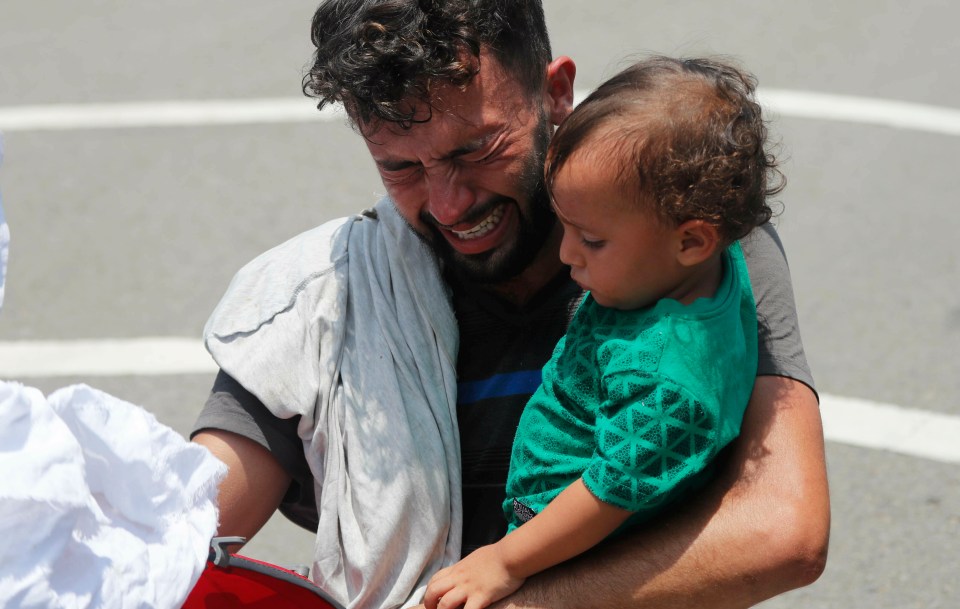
(698,240)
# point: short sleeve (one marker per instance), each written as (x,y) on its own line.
(780,348)
(232,408)
(651,437)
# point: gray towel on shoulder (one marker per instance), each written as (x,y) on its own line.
(350,326)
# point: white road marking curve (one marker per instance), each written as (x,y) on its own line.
(780,102)
(907,431)
(849,109)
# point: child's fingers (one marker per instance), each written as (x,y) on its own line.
(439,585)
(452,599)
(477,601)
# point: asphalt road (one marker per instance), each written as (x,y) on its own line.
(132,232)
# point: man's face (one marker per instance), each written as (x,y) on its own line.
(470,179)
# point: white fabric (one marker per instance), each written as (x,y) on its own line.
(4,236)
(350,326)
(101,506)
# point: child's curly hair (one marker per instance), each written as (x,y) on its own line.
(688,137)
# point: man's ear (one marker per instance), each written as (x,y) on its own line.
(559,94)
(698,240)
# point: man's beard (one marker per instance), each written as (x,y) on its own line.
(535,226)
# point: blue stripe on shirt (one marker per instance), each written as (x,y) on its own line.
(498,386)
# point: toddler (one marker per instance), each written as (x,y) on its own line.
(654,177)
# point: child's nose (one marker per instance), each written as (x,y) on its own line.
(569,252)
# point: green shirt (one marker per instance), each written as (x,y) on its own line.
(637,403)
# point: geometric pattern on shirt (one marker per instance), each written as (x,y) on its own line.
(640,452)
(650,437)
(650,434)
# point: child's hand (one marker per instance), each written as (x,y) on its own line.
(476,581)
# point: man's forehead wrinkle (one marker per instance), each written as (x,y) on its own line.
(457,108)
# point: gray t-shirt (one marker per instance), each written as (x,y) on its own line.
(502,349)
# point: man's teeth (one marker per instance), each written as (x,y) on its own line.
(487,225)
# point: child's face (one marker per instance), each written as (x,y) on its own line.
(618,250)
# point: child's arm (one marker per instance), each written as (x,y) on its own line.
(572,523)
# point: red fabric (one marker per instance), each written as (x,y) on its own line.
(235,587)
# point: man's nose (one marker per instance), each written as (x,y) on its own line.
(450,198)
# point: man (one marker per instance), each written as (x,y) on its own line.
(456,101)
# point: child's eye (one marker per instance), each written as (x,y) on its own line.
(593,244)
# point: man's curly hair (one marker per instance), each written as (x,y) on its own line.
(379,58)
(687,136)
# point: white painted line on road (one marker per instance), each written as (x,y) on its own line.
(121,357)
(163,114)
(849,109)
(929,435)
(783,102)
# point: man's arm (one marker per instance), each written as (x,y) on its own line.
(253,487)
(760,529)
(263,454)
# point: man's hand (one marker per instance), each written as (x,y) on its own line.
(476,581)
